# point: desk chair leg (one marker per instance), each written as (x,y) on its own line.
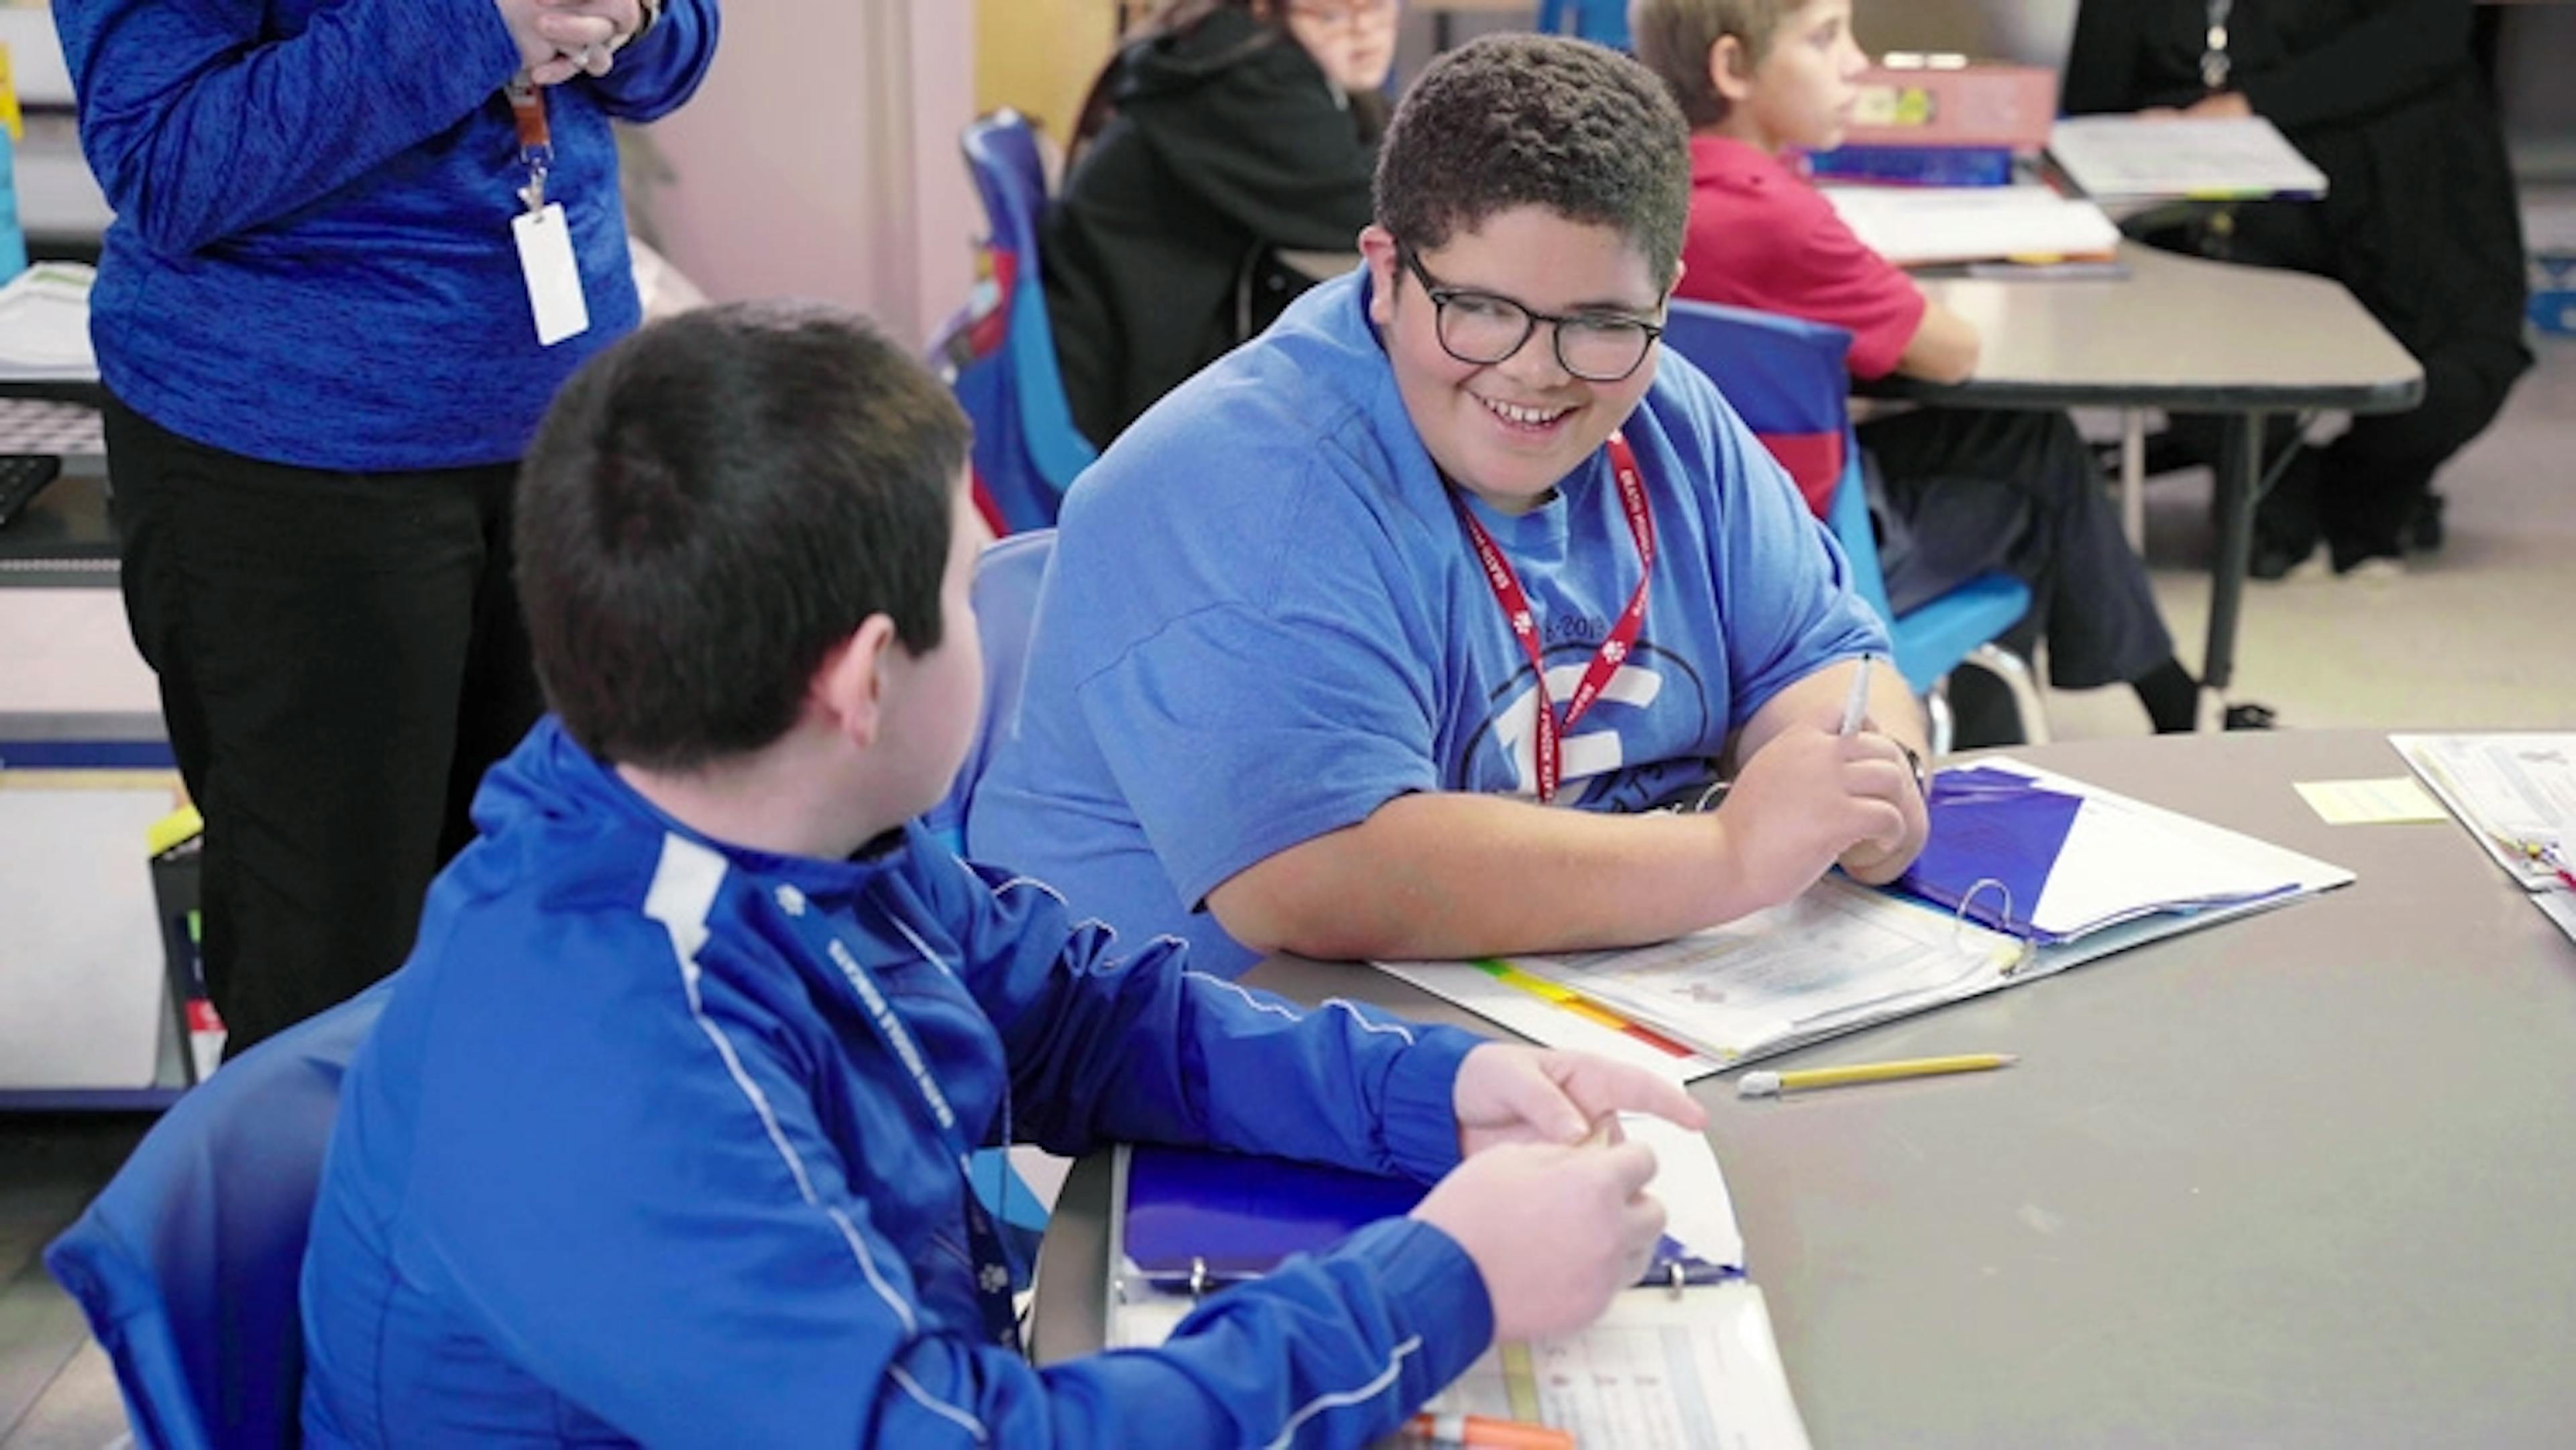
(1945,728)
(2014,671)
(2133,478)
(2240,479)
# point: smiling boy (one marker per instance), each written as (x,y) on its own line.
(1285,690)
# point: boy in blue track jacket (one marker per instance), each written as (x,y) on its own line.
(661,1137)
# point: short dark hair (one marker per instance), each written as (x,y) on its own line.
(1674,38)
(1537,120)
(711,506)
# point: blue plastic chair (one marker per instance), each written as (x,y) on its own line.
(1786,378)
(1605,21)
(188,1262)
(1007,578)
(997,354)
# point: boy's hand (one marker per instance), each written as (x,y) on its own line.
(1554,1231)
(1876,863)
(1507,1093)
(1810,797)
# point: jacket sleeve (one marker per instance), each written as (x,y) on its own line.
(200,127)
(685,1254)
(657,75)
(1144,1049)
(1267,146)
(2367,67)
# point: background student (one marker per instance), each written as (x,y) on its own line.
(1331,637)
(661,1136)
(1231,129)
(321,367)
(2419,221)
(1955,492)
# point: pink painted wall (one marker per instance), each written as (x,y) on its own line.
(820,159)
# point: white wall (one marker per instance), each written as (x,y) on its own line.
(820,158)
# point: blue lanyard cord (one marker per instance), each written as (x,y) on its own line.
(992,1264)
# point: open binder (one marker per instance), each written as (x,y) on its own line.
(2027,873)
(1686,1359)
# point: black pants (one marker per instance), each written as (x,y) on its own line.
(1962,492)
(340,657)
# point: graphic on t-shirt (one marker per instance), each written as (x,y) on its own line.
(1648,737)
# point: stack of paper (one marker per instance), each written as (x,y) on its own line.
(2125,158)
(1916,226)
(2028,873)
(44,325)
(2517,795)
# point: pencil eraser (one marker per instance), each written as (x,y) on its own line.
(1758,1085)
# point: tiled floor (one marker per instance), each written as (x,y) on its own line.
(2471,637)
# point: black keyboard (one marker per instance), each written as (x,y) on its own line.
(22,477)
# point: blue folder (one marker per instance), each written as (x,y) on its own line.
(1223,1217)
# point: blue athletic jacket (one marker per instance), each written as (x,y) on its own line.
(623,1161)
(311,261)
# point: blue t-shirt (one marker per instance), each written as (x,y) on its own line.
(1264,620)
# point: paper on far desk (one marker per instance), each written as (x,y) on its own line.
(2517,787)
(44,325)
(2397,800)
(1913,226)
(2115,157)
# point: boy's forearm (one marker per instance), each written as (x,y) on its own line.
(1440,874)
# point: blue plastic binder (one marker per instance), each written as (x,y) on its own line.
(1207,1218)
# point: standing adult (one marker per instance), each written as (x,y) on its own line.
(1227,131)
(358,244)
(2419,219)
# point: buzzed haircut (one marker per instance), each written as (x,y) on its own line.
(1673,39)
(1517,120)
(711,506)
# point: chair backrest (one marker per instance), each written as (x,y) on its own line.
(1605,21)
(1007,580)
(998,353)
(1786,379)
(188,1262)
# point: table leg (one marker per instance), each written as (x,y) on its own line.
(2133,478)
(1443,31)
(2240,473)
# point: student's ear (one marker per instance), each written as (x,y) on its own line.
(1377,253)
(849,687)
(1730,69)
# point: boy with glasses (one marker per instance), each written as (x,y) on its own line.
(1331,630)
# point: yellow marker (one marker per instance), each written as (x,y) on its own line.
(9,100)
(1772,1084)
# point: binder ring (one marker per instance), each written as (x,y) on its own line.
(1959,918)
(1674,1276)
(1198,1277)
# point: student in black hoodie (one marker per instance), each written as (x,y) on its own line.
(1230,130)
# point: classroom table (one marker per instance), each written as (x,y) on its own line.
(2189,336)
(2300,1179)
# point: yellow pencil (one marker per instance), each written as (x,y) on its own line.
(1772,1084)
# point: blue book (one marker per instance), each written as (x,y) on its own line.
(1198,1217)
(1915,165)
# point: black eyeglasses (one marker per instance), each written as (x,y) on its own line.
(1484,329)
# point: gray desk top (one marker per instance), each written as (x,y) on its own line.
(2304,1179)
(2177,332)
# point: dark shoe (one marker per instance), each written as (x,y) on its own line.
(2274,559)
(2250,716)
(2424,530)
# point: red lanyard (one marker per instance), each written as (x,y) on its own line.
(536,138)
(1614,650)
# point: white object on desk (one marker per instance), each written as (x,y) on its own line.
(44,325)
(2512,791)
(81,970)
(1915,226)
(2215,159)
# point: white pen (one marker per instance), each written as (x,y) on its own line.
(1858,705)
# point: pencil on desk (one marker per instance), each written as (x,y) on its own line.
(1772,1084)
(1478,1430)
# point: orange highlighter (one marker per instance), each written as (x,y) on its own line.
(1479,1431)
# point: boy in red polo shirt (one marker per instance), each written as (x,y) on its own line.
(1955,493)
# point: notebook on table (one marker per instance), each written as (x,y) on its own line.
(1686,1359)
(2027,873)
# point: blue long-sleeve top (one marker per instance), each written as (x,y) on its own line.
(624,1161)
(311,261)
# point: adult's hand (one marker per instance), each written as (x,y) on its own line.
(561,39)
(1554,1231)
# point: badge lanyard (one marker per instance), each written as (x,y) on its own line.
(983,1238)
(1614,650)
(544,237)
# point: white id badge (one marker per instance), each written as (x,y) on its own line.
(554,278)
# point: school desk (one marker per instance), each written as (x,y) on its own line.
(2302,1179)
